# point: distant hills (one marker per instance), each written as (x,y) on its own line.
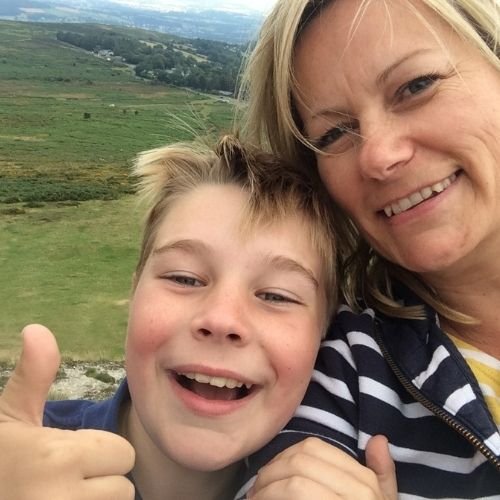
(218,25)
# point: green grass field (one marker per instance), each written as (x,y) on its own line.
(68,265)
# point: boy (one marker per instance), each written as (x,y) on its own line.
(233,291)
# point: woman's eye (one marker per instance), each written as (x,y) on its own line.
(338,139)
(187,281)
(416,86)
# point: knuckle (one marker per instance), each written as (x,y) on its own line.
(311,443)
(59,452)
(371,478)
(294,486)
(369,487)
(297,461)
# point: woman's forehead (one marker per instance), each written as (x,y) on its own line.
(354,39)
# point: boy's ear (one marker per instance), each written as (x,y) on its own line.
(134,282)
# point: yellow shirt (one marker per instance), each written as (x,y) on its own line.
(486,369)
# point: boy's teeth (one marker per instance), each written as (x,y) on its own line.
(215,381)
(418,197)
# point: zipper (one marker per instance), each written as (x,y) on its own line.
(439,412)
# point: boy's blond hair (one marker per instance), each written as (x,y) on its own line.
(270,120)
(276,191)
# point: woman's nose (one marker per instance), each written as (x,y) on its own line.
(222,317)
(385,148)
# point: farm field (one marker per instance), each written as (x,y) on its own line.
(70,125)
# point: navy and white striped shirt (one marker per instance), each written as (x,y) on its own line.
(406,380)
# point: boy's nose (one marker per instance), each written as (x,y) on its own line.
(230,336)
(222,317)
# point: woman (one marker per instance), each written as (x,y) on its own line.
(396,104)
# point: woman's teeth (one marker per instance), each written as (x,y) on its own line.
(216,381)
(414,199)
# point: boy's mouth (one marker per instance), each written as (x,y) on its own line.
(213,388)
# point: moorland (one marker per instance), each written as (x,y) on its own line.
(71,123)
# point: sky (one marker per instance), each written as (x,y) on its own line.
(236,5)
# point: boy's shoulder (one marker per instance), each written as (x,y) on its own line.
(347,321)
(85,414)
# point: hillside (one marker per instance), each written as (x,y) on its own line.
(70,124)
(198,64)
(71,120)
(210,24)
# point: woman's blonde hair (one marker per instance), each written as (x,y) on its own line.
(276,190)
(270,120)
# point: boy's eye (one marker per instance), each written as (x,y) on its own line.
(276,298)
(416,86)
(187,281)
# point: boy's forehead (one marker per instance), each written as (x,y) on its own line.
(208,201)
(221,215)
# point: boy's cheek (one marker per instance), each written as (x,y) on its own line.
(294,364)
(144,335)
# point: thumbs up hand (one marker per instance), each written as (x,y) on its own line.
(53,464)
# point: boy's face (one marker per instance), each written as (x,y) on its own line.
(223,331)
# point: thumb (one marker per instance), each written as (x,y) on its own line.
(24,396)
(379,460)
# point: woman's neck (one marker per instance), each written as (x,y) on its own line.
(157,477)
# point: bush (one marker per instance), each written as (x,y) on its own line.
(13,211)
(34,204)
(12,199)
(102,376)
(41,189)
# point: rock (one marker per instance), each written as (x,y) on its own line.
(77,379)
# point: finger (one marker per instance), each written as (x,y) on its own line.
(102,453)
(24,396)
(328,475)
(322,450)
(294,489)
(107,488)
(379,460)
(324,464)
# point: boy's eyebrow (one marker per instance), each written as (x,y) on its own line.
(188,245)
(288,264)
(278,261)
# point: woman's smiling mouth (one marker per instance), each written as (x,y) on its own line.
(414,199)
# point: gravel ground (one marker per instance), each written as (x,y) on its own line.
(80,379)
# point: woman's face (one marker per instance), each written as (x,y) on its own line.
(408,116)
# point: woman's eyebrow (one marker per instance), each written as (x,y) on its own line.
(384,75)
(329,112)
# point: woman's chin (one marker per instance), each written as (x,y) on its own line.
(424,258)
(428,262)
